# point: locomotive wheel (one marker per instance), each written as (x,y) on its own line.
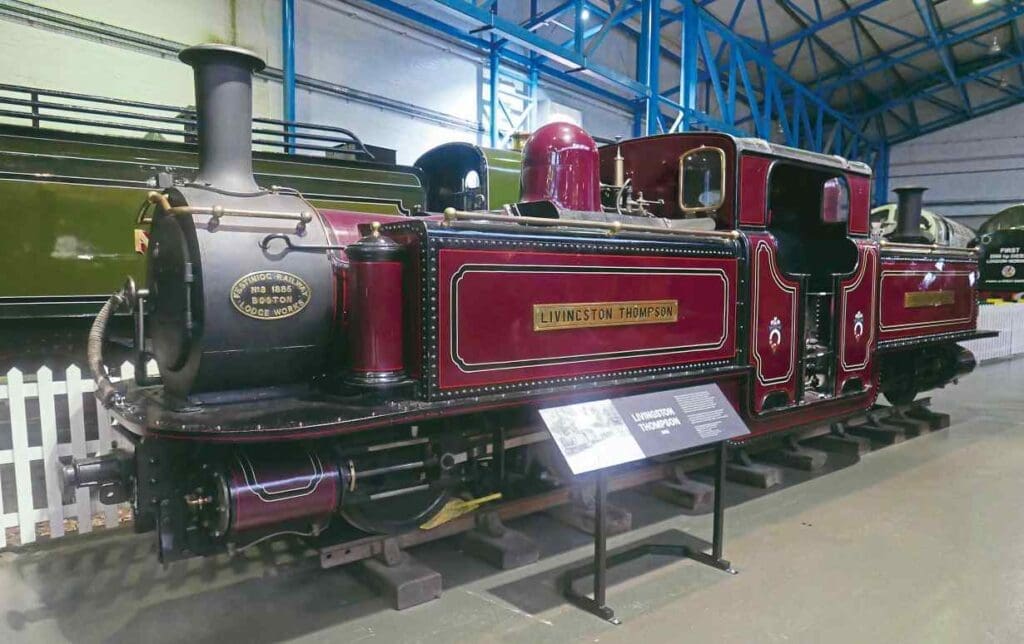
(398,515)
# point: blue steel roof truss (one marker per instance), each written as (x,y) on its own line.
(856,101)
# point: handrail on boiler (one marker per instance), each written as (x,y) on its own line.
(612,227)
(929,249)
(216,212)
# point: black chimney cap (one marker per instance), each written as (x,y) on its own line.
(194,54)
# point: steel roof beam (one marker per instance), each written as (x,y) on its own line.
(971,28)
(933,126)
(728,84)
(484,46)
(981,74)
(930,20)
(775,73)
(815,26)
(513,32)
(858,23)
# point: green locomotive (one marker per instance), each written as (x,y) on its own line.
(75,171)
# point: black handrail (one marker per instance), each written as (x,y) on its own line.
(289,135)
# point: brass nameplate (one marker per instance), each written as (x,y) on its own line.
(551,317)
(270,295)
(922,299)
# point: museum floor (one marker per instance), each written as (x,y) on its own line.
(919,542)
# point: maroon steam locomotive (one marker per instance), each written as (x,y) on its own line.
(331,368)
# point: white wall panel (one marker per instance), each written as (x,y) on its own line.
(599,119)
(342,45)
(189,21)
(376,126)
(972,170)
(56,61)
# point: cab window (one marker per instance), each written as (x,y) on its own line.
(835,201)
(702,179)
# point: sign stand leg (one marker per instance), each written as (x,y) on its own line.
(717,535)
(599,568)
(718,519)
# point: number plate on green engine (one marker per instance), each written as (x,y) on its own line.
(270,295)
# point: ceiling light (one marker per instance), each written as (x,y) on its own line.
(1004,82)
(995,47)
(977,2)
(585,14)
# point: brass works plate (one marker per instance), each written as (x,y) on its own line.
(581,315)
(922,299)
(270,295)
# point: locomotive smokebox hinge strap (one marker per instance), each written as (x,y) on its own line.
(290,245)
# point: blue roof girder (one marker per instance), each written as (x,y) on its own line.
(930,19)
(949,121)
(515,33)
(484,45)
(730,83)
(926,93)
(765,61)
(819,25)
(962,31)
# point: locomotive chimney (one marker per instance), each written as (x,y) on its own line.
(908,215)
(223,76)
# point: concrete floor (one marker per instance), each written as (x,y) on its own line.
(920,542)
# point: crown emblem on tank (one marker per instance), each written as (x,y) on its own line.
(774,333)
(858,325)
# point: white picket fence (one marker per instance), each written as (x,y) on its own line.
(73,394)
(1008,319)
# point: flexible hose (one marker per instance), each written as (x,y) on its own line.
(105,390)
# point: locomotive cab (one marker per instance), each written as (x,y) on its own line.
(808,211)
(469,177)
